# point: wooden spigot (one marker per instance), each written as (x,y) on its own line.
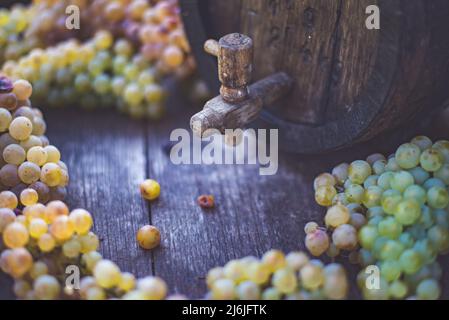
(238,103)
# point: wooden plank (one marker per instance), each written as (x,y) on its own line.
(105,153)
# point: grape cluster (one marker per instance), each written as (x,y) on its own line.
(27,160)
(46,239)
(101,71)
(277,276)
(392,213)
(12,25)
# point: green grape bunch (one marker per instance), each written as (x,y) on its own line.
(392,213)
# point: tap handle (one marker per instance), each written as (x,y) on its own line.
(235,62)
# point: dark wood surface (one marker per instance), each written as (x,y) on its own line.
(109,154)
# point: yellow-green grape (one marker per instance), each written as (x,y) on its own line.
(14,154)
(438,197)
(107,274)
(372,196)
(103,40)
(311,276)
(123,47)
(37,228)
(32,141)
(127,282)
(38,269)
(431,160)
(428,289)
(213,275)
(150,189)
(317,242)
(133,95)
(46,287)
(55,209)
(324,195)
(257,272)
(118,85)
(101,84)
(51,174)
(345,237)
(408,211)
(29,172)
(148,237)
(20,128)
(337,215)
(39,126)
(37,155)
(153,93)
(274,259)
(234,270)
(71,248)
(324,179)
(271,294)
(296,260)
(408,155)
(285,281)
(146,77)
(18,262)
(53,154)
(358,171)
(82,221)
(5,119)
(153,288)
(223,289)
(7,216)
(95,293)
(398,289)
(15,235)
(89,242)
(62,228)
(46,242)
(248,290)
(310,227)
(90,259)
(8,200)
(34,211)
(390,200)
(22,89)
(354,193)
(29,197)
(401,180)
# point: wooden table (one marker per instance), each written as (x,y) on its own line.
(109,155)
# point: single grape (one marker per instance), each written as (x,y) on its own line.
(390,200)
(354,193)
(416,192)
(408,211)
(431,160)
(324,179)
(419,174)
(401,180)
(372,196)
(410,261)
(422,142)
(345,237)
(389,228)
(20,128)
(428,289)
(337,215)
(367,235)
(324,195)
(358,171)
(438,197)
(340,172)
(408,155)
(317,242)
(148,237)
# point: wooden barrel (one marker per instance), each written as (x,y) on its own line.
(351,83)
